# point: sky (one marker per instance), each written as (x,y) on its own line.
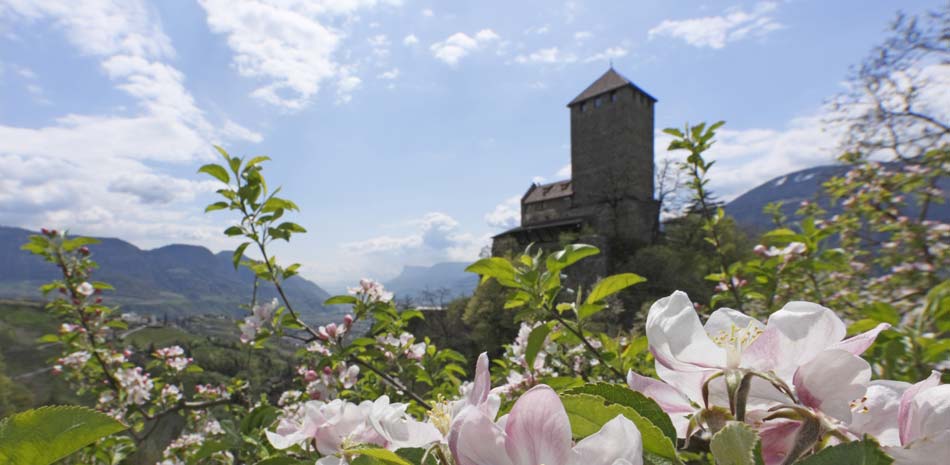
(405,130)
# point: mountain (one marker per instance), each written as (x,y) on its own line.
(793,188)
(414,281)
(177,279)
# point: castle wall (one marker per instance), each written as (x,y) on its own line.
(547,210)
(612,147)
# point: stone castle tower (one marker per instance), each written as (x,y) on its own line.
(608,202)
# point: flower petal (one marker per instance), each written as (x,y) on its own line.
(926,451)
(672,401)
(908,425)
(725,319)
(678,339)
(538,429)
(617,442)
(482,384)
(877,414)
(930,413)
(475,440)
(793,336)
(831,380)
(860,342)
(778,439)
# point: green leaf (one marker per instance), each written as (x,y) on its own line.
(341,300)
(283,461)
(238,254)
(294,227)
(588,414)
(217,171)
(645,406)
(493,267)
(674,132)
(275,203)
(256,160)
(736,444)
(383,455)
(588,310)
(260,417)
(865,452)
(77,242)
(47,434)
(612,285)
(561,259)
(535,341)
(233,231)
(224,153)
(207,448)
(216,206)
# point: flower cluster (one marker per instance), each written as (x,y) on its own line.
(370,291)
(261,315)
(174,358)
(805,382)
(335,428)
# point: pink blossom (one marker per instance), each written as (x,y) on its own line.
(911,421)
(537,431)
(688,353)
(137,385)
(85,289)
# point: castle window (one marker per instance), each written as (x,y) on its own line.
(583,106)
(598,102)
(613,96)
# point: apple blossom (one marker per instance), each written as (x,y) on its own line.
(85,289)
(689,354)
(537,431)
(911,421)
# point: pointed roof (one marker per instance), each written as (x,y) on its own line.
(550,191)
(609,81)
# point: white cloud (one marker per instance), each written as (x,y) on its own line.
(581,36)
(389,75)
(539,30)
(380,45)
(548,56)
(437,238)
(564,172)
(289,46)
(100,174)
(458,45)
(506,214)
(748,157)
(716,31)
(410,39)
(428,13)
(608,54)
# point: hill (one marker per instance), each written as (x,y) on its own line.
(415,281)
(793,188)
(177,280)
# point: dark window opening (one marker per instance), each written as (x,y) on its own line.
(597,102)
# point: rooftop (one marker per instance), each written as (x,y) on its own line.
(607,82)
(554,190)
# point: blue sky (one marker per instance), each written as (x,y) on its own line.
(404,129)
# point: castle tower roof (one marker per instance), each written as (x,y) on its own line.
(607,82)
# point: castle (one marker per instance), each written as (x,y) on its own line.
(608,202)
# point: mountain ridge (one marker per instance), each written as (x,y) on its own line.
(175,279)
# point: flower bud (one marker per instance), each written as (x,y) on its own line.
(327,370)
(310,376)
(759,250)
(348,320)
(84,250)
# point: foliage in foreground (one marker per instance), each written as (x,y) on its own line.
(845,375)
